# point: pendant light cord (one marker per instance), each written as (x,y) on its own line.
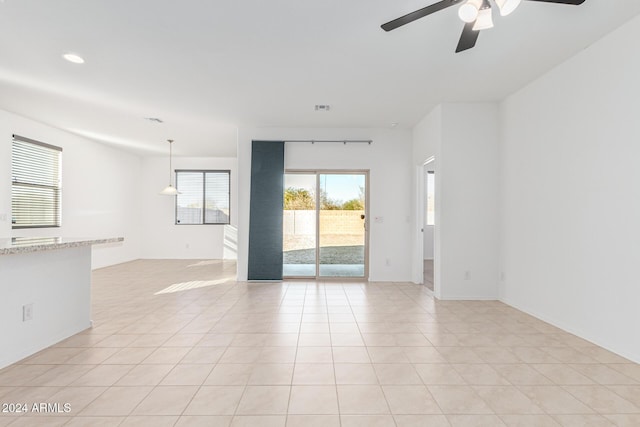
(170,158)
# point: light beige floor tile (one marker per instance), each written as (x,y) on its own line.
(314,355)
(629,392)
(240,355)
(18,375)
(52,356)
(355,373)
(459,400)
(602,374)
(203,421)
(92,356)
(507,400)
(166,400)
(271,374)
(521,374)
(387,355)
(346,340)
(277,355)
(215,400)
(313,421)
(187,375)
(475,421)
(60,375)
(631,370)
(602,400)
(313,374)
(460,355)
(423,355)
(183,340)
(203,355)
(259,420)
(264,400)
(314,340)
(316,400)
(145,375)
(362,399)
(116,401)
(583,421)
(129,356)
(351,355)
(555,400)
(230,374)
(149,421)
(367,421)
(561,374)
(529,421)
(77,397)
(439,374)
(624,420)
(421,421)
(95,421)
(406,399)
(396,374)
(166,355)
(103,375)
(479,374)
(40,421)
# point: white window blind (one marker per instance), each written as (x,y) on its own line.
(204,197)
(35,184)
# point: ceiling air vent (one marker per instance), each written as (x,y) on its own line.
(323,107)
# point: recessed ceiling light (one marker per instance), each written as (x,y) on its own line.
(72,57)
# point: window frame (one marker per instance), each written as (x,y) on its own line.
(58,200)
(204,194)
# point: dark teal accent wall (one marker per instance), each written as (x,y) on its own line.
(265,221)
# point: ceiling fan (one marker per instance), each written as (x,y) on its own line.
(476,14)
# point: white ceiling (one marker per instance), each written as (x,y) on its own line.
(208,66)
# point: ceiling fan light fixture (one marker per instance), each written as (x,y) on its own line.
(507,6)
(468,12)
(484,21)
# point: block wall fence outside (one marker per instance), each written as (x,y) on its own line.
(331,222)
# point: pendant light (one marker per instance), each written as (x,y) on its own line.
(170,190)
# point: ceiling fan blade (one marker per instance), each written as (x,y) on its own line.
(468,38)
(420,13)
(573,2)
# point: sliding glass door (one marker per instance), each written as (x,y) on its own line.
(325,218)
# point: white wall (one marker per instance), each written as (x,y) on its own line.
(464,140)
(570,194)
(389,162)
(59,291)
(100,187)
(161,237)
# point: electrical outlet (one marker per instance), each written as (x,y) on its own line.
(27,312)
(467,275)
(3,217)
(388,262)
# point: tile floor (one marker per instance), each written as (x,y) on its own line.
(178,343)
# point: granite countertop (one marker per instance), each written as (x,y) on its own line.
(22,245)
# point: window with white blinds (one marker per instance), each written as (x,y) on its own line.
(35,184)
(204,197)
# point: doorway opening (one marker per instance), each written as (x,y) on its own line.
(325,224)
(429,227)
